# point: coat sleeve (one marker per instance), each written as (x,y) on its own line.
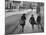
(30,20)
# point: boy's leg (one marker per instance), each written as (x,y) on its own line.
(39,24)
(22,28)
(32,27)
(42,28)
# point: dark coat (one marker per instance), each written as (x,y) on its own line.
(23,18)
(38,19)
(32,20)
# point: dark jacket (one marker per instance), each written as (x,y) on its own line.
(32,20)
(23,18)
(38,19)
